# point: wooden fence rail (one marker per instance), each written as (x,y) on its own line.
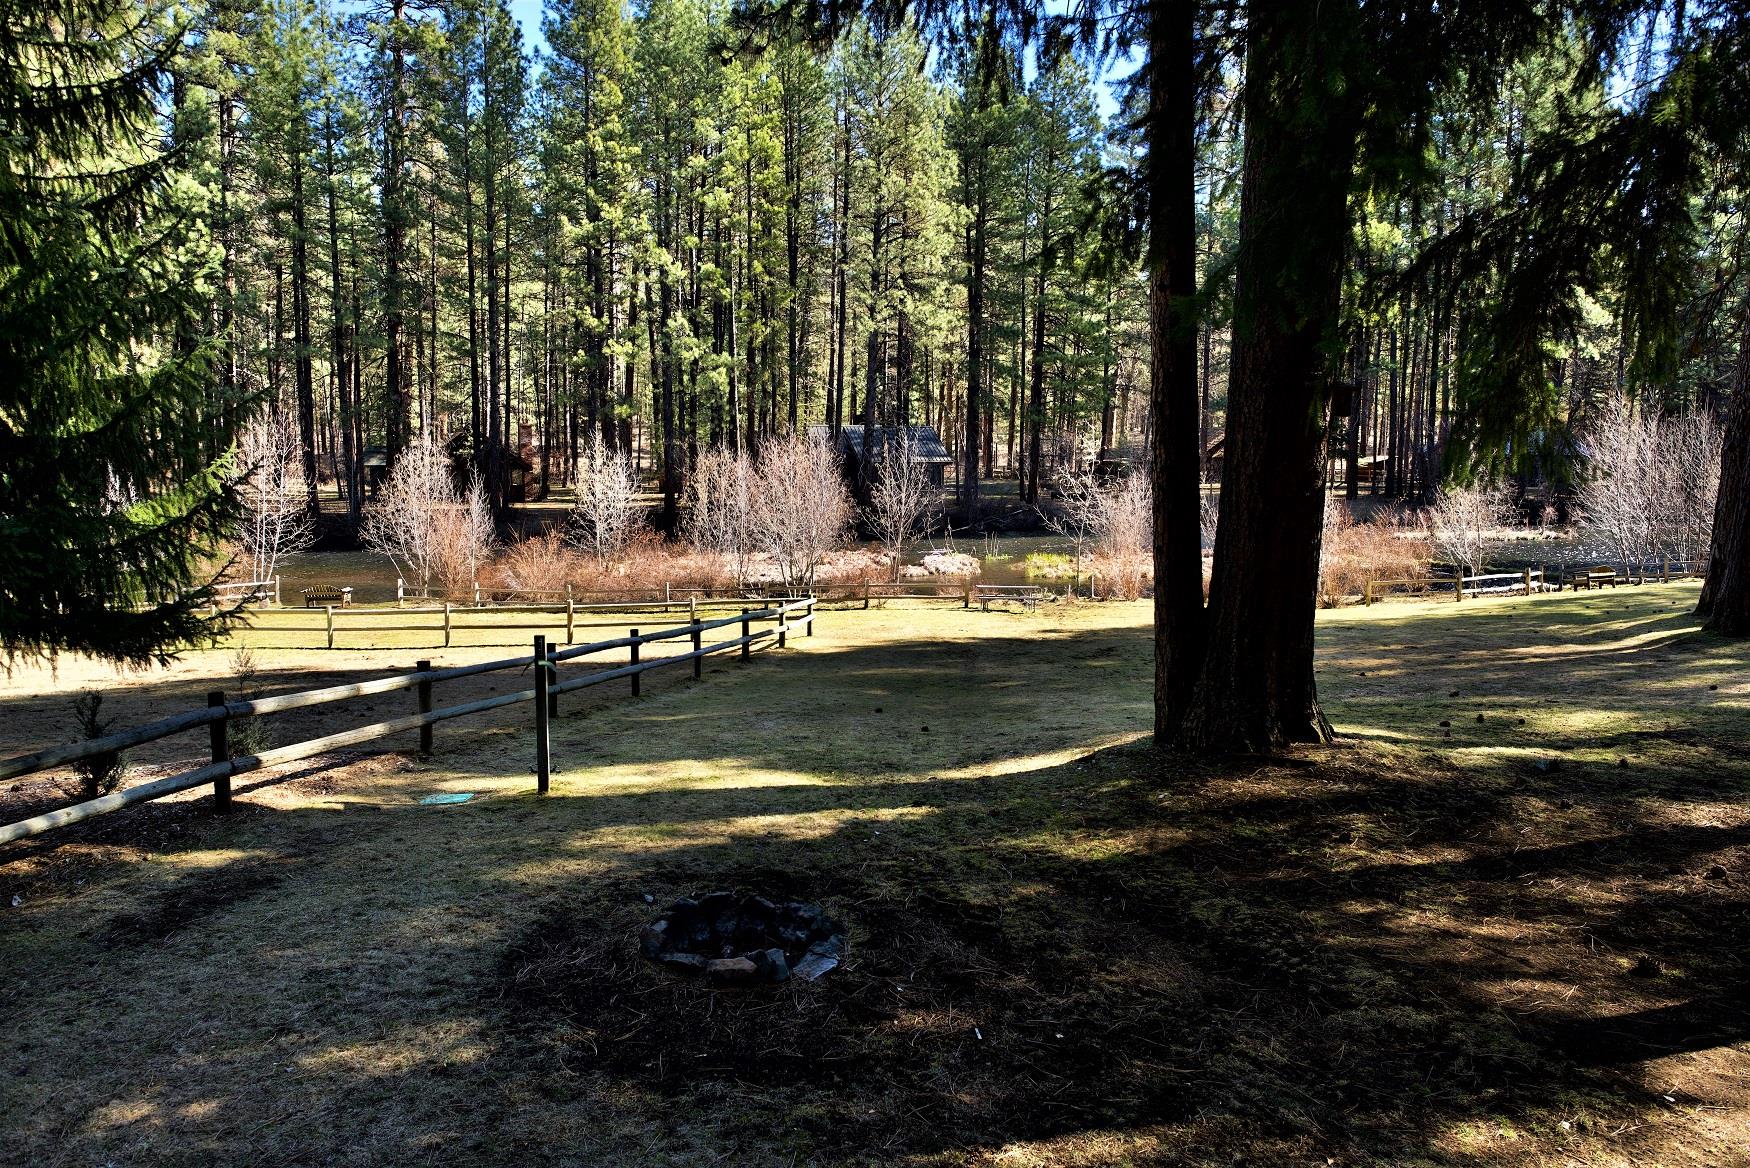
(218,713)
(1528,580)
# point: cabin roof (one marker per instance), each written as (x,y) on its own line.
(927,442)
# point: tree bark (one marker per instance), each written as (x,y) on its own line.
(1175,412)
(1255,691)
(1725,597)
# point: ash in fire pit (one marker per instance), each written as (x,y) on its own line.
(742,940)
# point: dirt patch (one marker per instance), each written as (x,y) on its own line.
(195,898)
(937,990)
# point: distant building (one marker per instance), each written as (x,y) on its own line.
(854,451)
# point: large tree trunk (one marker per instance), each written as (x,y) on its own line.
(1174,409)
(302,352)
(1725,597)
(397,402)
(1256,691)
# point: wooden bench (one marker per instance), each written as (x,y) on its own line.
(324,595)
(1592,578)
(1026,594)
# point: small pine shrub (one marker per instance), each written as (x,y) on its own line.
(101,773)
(247,736)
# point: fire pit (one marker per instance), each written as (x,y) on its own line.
(744,939)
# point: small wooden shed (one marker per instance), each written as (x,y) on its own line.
(855,451)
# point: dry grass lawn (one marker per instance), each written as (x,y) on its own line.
(1501,924)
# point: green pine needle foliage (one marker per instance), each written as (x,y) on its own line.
(113,495)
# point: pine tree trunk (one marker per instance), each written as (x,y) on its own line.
(1176,416)
(1256,691)
(395,217)
(303,356)
(1725,597)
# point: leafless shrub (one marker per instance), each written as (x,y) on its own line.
(903,503)
(276,519)
(646,566)
(1351,553)
(1124,551)
(1693,445)
(1110,523)
(1650,484)
(606,511)
(1465,524)
(800,506)
(1209,515)
(540,563)
(720,496)
(430,531)
(1079,511)
(1619,496)
(101,773)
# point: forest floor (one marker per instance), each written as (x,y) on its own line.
(1501,923)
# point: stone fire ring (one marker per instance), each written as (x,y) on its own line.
(744,939)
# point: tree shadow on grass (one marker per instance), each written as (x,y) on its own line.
(1356,958)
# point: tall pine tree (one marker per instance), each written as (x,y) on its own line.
(112,442)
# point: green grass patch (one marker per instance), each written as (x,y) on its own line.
(1514,941)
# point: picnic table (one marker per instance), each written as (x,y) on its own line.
(323,595)
(1027,595)
(1592,578)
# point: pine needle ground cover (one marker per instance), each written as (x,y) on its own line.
(1501,924)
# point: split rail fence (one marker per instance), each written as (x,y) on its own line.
(1529,580)
(785,618)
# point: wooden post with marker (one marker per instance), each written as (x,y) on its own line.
(542,746)
(424,706)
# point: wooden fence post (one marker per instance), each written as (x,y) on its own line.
(476,594)
(810,611)
(424,706)
(1367,592)
(966,603)
(636,677)
(552,682)
(783,621)
(570,618)
(746,630)
(276,590)
(865,593)
(1664,571)
(221,740)
(698,644)
(400,590)
(665,596)
(542,757)
(1527,574)
(329,609)
(446,624)
(693,608)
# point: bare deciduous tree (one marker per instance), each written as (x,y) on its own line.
(428,529)
(720,496)
(1079,511)
(463,538)
(903,503)
(276,510)
(1126,543)
(1465,524)
(1650,484)
(1693,443)
(800,506)
(606,511)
